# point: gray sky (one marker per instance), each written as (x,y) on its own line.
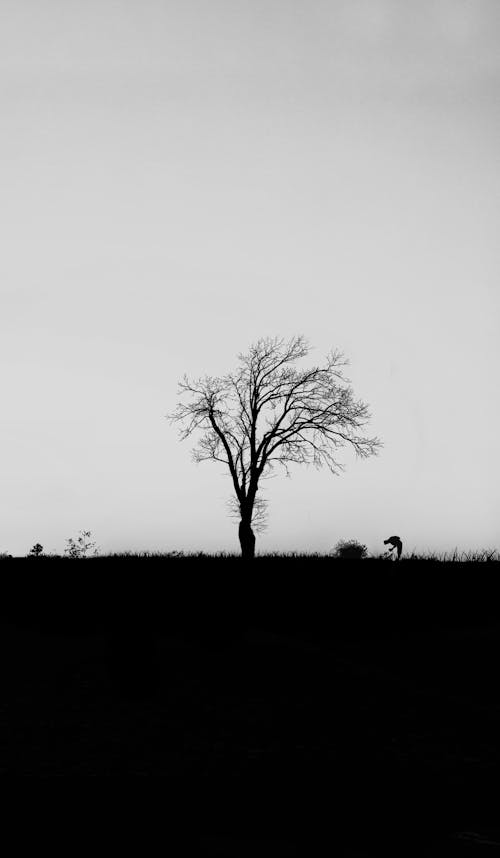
(181,178)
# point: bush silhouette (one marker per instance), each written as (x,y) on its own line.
(36,551)
(350,549)
(81,547)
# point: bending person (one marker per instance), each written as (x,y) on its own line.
(395,543)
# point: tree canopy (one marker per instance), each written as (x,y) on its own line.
(270,413)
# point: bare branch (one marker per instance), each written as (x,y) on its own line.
(270,412)
(260,515)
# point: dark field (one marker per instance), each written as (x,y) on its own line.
(312,701)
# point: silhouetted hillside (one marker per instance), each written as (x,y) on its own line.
(315,596)
(331,692)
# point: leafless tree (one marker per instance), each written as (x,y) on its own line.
(270,413)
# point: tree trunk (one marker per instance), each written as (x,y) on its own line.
(247,539)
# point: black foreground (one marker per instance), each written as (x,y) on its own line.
(309,701)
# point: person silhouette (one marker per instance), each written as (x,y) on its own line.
(395,543)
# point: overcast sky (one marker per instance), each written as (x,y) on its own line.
(181,178)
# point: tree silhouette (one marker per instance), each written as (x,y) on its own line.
(81,547)
(270,413)
(36,551)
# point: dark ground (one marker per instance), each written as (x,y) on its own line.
(317,707)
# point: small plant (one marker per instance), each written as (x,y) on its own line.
(36,551)
(81,547)
(4,555)
(349,549)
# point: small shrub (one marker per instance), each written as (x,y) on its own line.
(349,549)
(81,547)
(36,551)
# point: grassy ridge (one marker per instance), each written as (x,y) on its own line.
(305,595)
(455,556)
(313,679)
